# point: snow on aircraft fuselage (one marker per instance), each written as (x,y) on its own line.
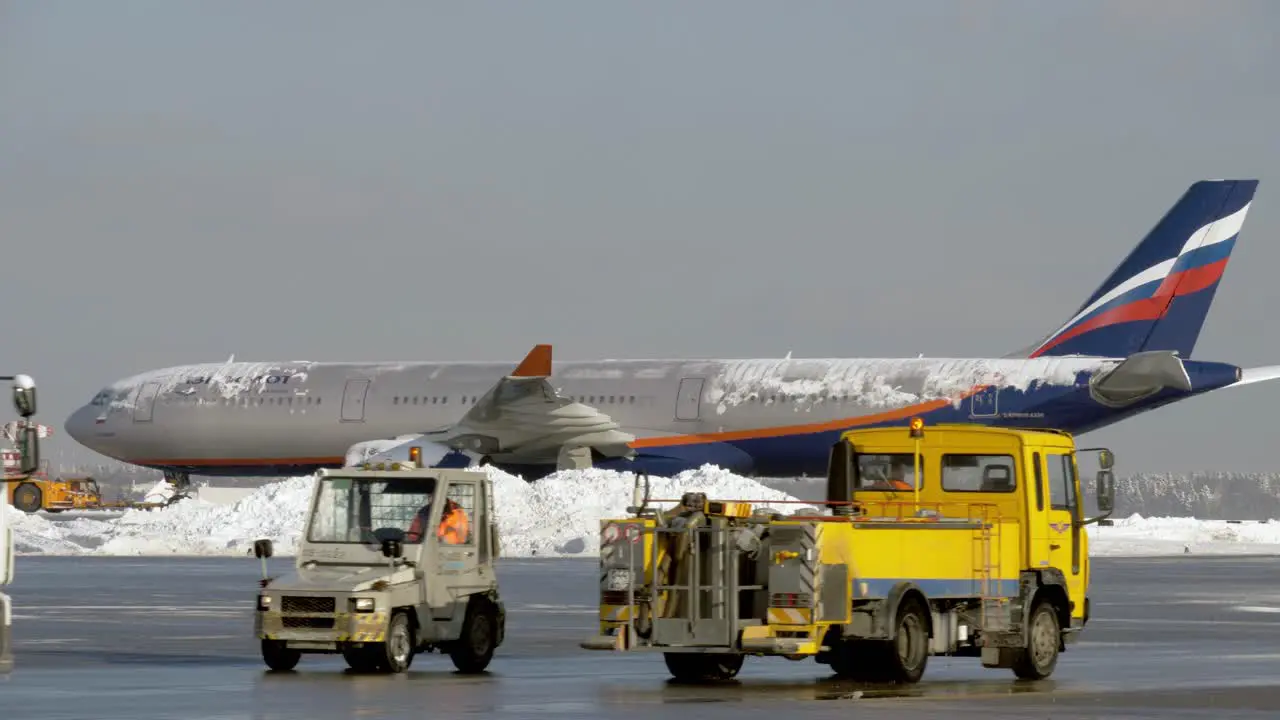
(1124,352)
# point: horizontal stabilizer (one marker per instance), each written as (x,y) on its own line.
(1248,376)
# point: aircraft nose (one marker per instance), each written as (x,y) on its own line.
(79,425)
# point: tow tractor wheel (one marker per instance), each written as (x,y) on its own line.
(396,654)
(1038,660)
(473,650)
(908,653)
(27,497)
(278,657)
(701,667)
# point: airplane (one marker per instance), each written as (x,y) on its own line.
(1125,351)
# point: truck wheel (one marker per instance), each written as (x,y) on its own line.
(908,652)
(27,497)
(1038,660)
(278,657)
(473,650)
(856,660)
(396,654)
(702,667)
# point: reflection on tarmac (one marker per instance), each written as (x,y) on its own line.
(172,637)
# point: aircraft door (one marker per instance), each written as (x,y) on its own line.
(985,402)
(144,405)
(353,396)
(688,398)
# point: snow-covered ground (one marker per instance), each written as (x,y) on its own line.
(558,515)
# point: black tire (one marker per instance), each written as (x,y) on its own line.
(396,654)
(703,667)
(278,657)
(473,650)
(27,497)
(907,654)
(362,659)
(857,660)
(1038,660)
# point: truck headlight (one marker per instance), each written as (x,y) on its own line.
(362,604)
(264,602)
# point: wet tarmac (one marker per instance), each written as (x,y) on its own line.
(138,639)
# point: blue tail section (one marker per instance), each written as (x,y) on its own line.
(1158,298)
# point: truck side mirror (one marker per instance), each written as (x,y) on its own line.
(392,548)
(24,395)
(494,547)
(262,548)
(1106,460)
(1106,491)
(839,479)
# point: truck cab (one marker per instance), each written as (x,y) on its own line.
(393,560)
(1027,481)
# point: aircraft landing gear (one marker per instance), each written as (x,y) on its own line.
(181,483)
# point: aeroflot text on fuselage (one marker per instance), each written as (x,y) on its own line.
(268,379)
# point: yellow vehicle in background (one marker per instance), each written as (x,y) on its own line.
(960,540)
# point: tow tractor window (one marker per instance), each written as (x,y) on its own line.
(889,472)
(978,473)
(354,511)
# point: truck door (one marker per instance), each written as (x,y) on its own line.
(1037,514)
(1064,533)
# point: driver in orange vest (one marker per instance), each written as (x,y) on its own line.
(453,528)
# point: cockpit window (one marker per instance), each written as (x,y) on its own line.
(102,398)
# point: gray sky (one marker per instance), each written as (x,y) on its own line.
(180,181)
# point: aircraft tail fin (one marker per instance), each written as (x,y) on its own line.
(1159,296)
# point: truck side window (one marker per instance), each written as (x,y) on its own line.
(1035,462)
(978,473)
(891,473)
(1061,490)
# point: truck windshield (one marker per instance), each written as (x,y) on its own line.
(887,472)
(354,511)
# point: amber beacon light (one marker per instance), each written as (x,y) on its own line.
(917,427)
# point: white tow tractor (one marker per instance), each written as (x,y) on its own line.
(392,561)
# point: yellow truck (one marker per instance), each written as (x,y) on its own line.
(958,540)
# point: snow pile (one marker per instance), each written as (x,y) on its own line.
(558,515)
(1139,536)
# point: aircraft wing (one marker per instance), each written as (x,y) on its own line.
(521,420)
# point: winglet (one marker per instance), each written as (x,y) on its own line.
(536,364)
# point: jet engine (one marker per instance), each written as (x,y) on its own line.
(396,449)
